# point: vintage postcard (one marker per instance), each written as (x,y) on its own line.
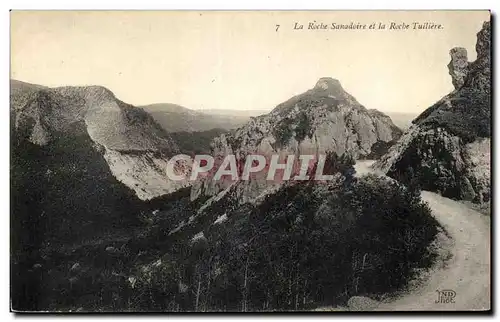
(250,161)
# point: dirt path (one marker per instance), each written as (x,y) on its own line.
(468,271)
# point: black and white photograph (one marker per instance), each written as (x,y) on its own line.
(250,161)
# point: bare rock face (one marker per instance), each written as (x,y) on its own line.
(480,75)
(135,148)
(324,119)
(458,66)
(447,149)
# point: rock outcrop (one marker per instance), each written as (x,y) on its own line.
(135,147)
(458,66)
(447,149)
(323,119)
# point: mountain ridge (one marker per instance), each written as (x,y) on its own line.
(135,147)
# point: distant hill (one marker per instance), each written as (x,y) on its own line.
(241,113)
(175,118)
(402,120)
(17,86)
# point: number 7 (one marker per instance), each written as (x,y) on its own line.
(277,27)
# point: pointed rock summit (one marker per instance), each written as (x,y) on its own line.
(458,66)
(328,85)
(328,82)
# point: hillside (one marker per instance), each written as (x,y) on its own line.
(198,142)
(402,120)
(447,150)
(18,86)
(270,255)
(65,173)
(134,146)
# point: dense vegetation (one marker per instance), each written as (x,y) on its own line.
(298,127)
(378,149)
(67,209)
(192,143)
(305,246)
(61,195)
(438,173)
(467,116)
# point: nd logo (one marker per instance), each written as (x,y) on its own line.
(446,296)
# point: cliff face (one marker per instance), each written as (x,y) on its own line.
(448,147)
(323,119)
(135,148)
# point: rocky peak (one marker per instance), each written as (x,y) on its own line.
(480,70)
(329,85)
(323,119)
(458,66)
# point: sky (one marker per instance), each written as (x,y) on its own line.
(242,60)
